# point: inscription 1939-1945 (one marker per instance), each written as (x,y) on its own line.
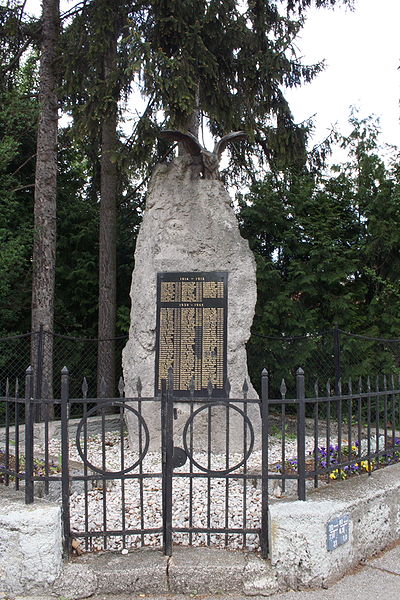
(192,331)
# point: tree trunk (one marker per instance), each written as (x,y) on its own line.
(107,242)
(44,244)
(191,124)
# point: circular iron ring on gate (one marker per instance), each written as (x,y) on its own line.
(246,421)
(142,423)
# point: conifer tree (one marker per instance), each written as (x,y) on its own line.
(45,204)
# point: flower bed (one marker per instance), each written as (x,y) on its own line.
(340,462)
(39,467)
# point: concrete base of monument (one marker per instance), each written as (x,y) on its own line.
(199,427)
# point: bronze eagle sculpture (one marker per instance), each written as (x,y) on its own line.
(210,160)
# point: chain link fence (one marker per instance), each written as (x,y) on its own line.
(330,357)
(80,355)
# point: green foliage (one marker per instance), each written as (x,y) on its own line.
(77,245)
(18,116)
(18,33)
(231,61)
(327,251)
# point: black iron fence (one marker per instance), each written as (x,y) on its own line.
(193,471)
(330,355)
(182,474)
(338,433)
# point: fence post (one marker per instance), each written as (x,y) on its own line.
(301,434)
(65,458)
(29,416)
(264,464)
(167,452)
(336,351)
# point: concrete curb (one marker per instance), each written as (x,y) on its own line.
(299,557)
(189,571)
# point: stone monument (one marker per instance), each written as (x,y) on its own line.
(194,284)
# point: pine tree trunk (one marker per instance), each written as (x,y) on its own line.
(191,124)
(44,244)
(107,244)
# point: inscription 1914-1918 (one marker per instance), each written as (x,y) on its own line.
(192,331)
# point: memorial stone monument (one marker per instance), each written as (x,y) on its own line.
(193,288)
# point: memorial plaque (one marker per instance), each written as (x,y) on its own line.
(192,331)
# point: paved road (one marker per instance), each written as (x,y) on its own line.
(378,579)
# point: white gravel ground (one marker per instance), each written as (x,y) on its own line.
(233,503)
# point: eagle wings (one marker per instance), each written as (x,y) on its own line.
(210,160)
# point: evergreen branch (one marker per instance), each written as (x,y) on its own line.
(150,103)
(23,164)
(14,61)
(79,7)
(146,179)
(22,187)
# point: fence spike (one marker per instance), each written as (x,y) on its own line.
(360,386)
(283,389)
(192,386)
(368,384)
(16,387)
(85,387)
(139,387)
(227,387)
(209,388)
(316,388)
(377,383)
(339,386)
(350,386)
(7,387)
(385,383)
(392,381)
(103,387)
(328,387)
(245,387)
(121,387)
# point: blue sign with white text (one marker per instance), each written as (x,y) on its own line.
(337,532)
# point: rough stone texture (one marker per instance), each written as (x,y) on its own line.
(30,544)
(205,570)
(390,561)
(142,571)
(136,572)
(298,549)
(259,577)
(188,225)
(299,554)
(76,581)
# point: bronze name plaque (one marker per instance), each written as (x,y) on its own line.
(191,335)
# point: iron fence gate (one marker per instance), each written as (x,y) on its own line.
(192,471)
(186,474)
